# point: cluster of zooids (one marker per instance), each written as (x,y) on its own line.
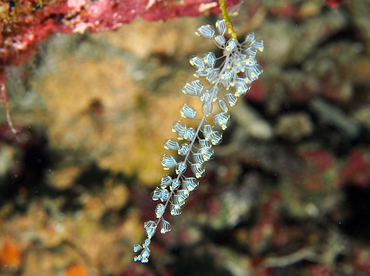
(226,84)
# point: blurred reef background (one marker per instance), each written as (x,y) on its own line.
(287,193)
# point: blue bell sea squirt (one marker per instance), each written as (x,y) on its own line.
(223,87)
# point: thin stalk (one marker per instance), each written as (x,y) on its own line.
(226,16)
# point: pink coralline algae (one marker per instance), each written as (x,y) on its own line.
(25,23)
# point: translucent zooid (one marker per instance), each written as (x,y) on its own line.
(225,85)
